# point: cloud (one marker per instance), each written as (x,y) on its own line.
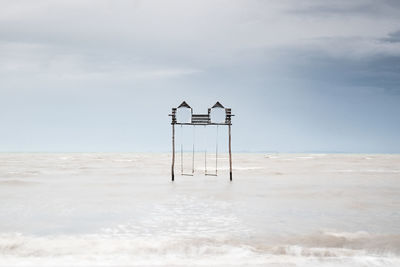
(88,63)
(393,37)
(131,40)
(343,8)
(375,74)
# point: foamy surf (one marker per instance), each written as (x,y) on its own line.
(122,210)
(103,250)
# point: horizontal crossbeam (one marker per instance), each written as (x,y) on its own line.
(190,123)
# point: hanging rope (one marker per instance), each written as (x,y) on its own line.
(181,137)
(193,146)
(216,153)
(205,150)
(216,156)
(194,130)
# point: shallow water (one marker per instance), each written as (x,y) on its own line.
(122,210)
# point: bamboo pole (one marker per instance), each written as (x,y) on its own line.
(230,154)
(173,152)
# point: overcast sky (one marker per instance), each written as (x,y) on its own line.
(301,76)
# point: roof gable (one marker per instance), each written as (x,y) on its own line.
(184,105)
(218,105)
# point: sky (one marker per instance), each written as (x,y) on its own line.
(102,76)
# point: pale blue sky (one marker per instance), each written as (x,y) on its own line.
(301,76)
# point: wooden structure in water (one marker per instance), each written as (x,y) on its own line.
(205,120)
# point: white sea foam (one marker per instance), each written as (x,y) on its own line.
(122,210)
(370,170)
(100,250)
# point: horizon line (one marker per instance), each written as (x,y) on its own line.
(237,152)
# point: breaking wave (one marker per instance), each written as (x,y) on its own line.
(323,249)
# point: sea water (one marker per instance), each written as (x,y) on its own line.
(104,209)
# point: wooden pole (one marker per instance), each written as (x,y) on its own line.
(173,153)
(230,154)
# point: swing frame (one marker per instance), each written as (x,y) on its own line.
(205,120)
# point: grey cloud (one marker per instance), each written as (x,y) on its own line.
(379,72)
(393,37)
(348,8)
(87,67)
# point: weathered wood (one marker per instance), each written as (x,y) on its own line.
(184,105)
(230,154)
(173,153)
(200,123)
(200,119)
(218,105)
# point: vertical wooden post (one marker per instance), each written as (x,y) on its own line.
(230,154)
(173,152)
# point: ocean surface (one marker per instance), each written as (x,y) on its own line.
(108,209)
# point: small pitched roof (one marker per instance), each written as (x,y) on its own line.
(184,105)
(218,105)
